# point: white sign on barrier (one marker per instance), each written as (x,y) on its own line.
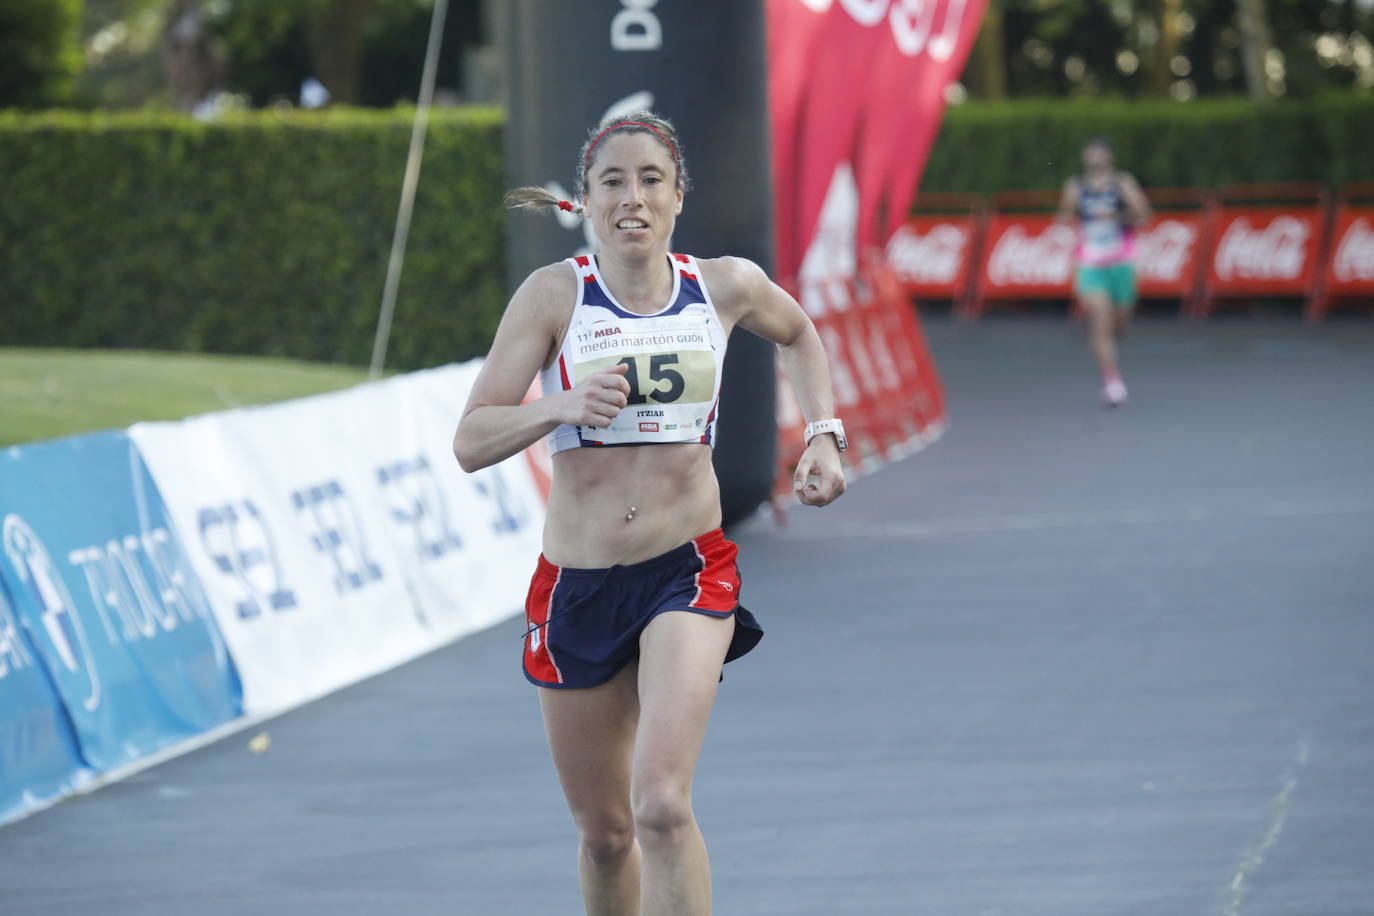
(336,535)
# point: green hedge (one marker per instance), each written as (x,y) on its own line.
(268,233)
(1034,144)
(264,233)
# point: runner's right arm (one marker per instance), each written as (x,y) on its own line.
(495,424)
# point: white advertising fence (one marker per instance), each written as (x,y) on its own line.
(335,535)
(161,583)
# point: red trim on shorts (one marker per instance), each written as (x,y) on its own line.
(718,581)
(539,663)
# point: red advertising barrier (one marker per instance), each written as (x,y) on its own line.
(1031,255)
(1200,248)
(1025,256)
(1171,249)
(1266,249)
(932,255)
(1349,274)
(887,389)
(1169,256)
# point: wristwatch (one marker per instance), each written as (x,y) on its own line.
(827,426)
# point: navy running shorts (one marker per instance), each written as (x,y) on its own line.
(584,624)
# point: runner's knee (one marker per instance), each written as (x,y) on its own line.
(1099,317)
(663,811)
(606,840)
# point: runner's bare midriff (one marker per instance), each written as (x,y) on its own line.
(621,505)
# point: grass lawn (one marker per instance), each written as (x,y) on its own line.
(49,393)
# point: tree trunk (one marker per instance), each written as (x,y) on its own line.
(989,73)
(334,36)
(194,65)
(1252,21)
(1161,74)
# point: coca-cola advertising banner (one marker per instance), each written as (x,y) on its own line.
(1168,255)
(1350,270)
(1265,250)
(1032,257)
(1027,257)
(932,256)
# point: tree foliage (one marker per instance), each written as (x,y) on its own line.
(40,52)
(367,52)
(1169,48)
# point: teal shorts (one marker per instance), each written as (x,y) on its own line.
(1116,280)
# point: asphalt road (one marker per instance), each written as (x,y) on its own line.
(1067,661)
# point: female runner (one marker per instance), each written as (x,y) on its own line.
(634,605)
(1109,206)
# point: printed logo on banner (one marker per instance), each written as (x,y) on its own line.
(933,259)
(417,502)
(510,512)
(1043,259)
(14,655)
(139,582)
(1164,251)
(337,534)
(1354,259)
(239,543)
(61,624)
(912,23)
(1276,252)
(833,254)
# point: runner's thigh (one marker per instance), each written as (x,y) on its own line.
(591,733)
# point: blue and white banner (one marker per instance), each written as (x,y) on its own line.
(336,536)
(101,585)
(39,758)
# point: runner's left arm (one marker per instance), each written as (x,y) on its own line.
(759,305)
(1138,205)
(1068,201)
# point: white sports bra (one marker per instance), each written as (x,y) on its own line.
(675,358)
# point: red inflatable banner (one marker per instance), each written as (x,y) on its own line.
(856,95)
(857,85)
(886,386)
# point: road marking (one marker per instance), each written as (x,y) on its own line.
(1043,521)
(1255,854)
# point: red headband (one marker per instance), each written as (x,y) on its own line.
(587,163)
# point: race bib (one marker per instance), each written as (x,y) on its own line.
(670,366)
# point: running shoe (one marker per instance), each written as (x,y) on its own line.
(1114,393)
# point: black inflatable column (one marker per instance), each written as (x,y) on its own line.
(568,65)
